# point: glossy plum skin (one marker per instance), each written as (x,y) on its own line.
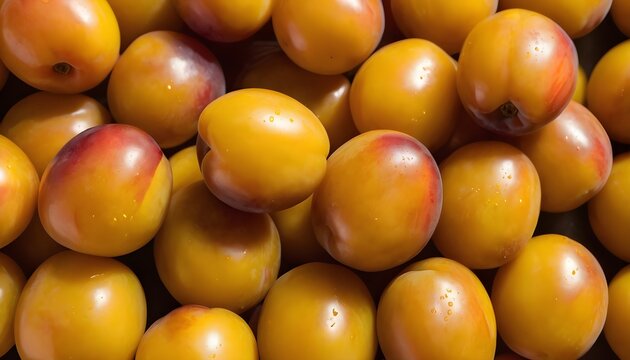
(408,86)
(162,83)
(142,16)
(618,315)
(225,20)
(608,211)
(234,254)
(327,96)
(317,311)
(71,305)
(37,36)
(185,168)
(304,29)
(577,17)
(537,77)
(551,300)
(491,204)
(573,157)
(620,12)
(106,192)
(379,201)
(607,95)
(18,191)
(436,309)
(42,123)
(197,332)
(11,283)
(445,23)
(265,151)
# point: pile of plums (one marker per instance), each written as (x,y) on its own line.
(314,179)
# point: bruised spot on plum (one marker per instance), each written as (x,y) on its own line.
(62,68)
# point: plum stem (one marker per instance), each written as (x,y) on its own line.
(508,110)
(62,68)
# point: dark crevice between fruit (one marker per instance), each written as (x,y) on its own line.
(508,110)
(62,68)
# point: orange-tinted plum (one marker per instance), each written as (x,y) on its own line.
(379,201)
(264,151)
(106,192)
(210,254)
(551,300)
(538,69)
(491,204)
(608,211)
(577,17)
(573,157)
(185,168)
(408,86)
(196,332)
(18,191)
(78,306)
(445,22)
(225,20)
(161,83)
(42,123)
(618,316)
(606,92)
(436,309)
(328,36)
(317,311)
(620,12)
(142,16)
(62,46)
(327,96)
(11,283)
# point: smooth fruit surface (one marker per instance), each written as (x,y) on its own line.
(18,191)
(436,309)
(551,300)
(608,211)
(304,29)
(491,204)
(327,96)
(42,123)
(408,86)
(11,283)
(266,151)
(225,20)
(142,16)
(537,77)
(446,22)
(38,42)
(573,158)
(196,332)
(317,311)
(210,254)
(106,192)
(618,314)
(162,82)
(379,202)
(606,92)
(71,304)
(577,17)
